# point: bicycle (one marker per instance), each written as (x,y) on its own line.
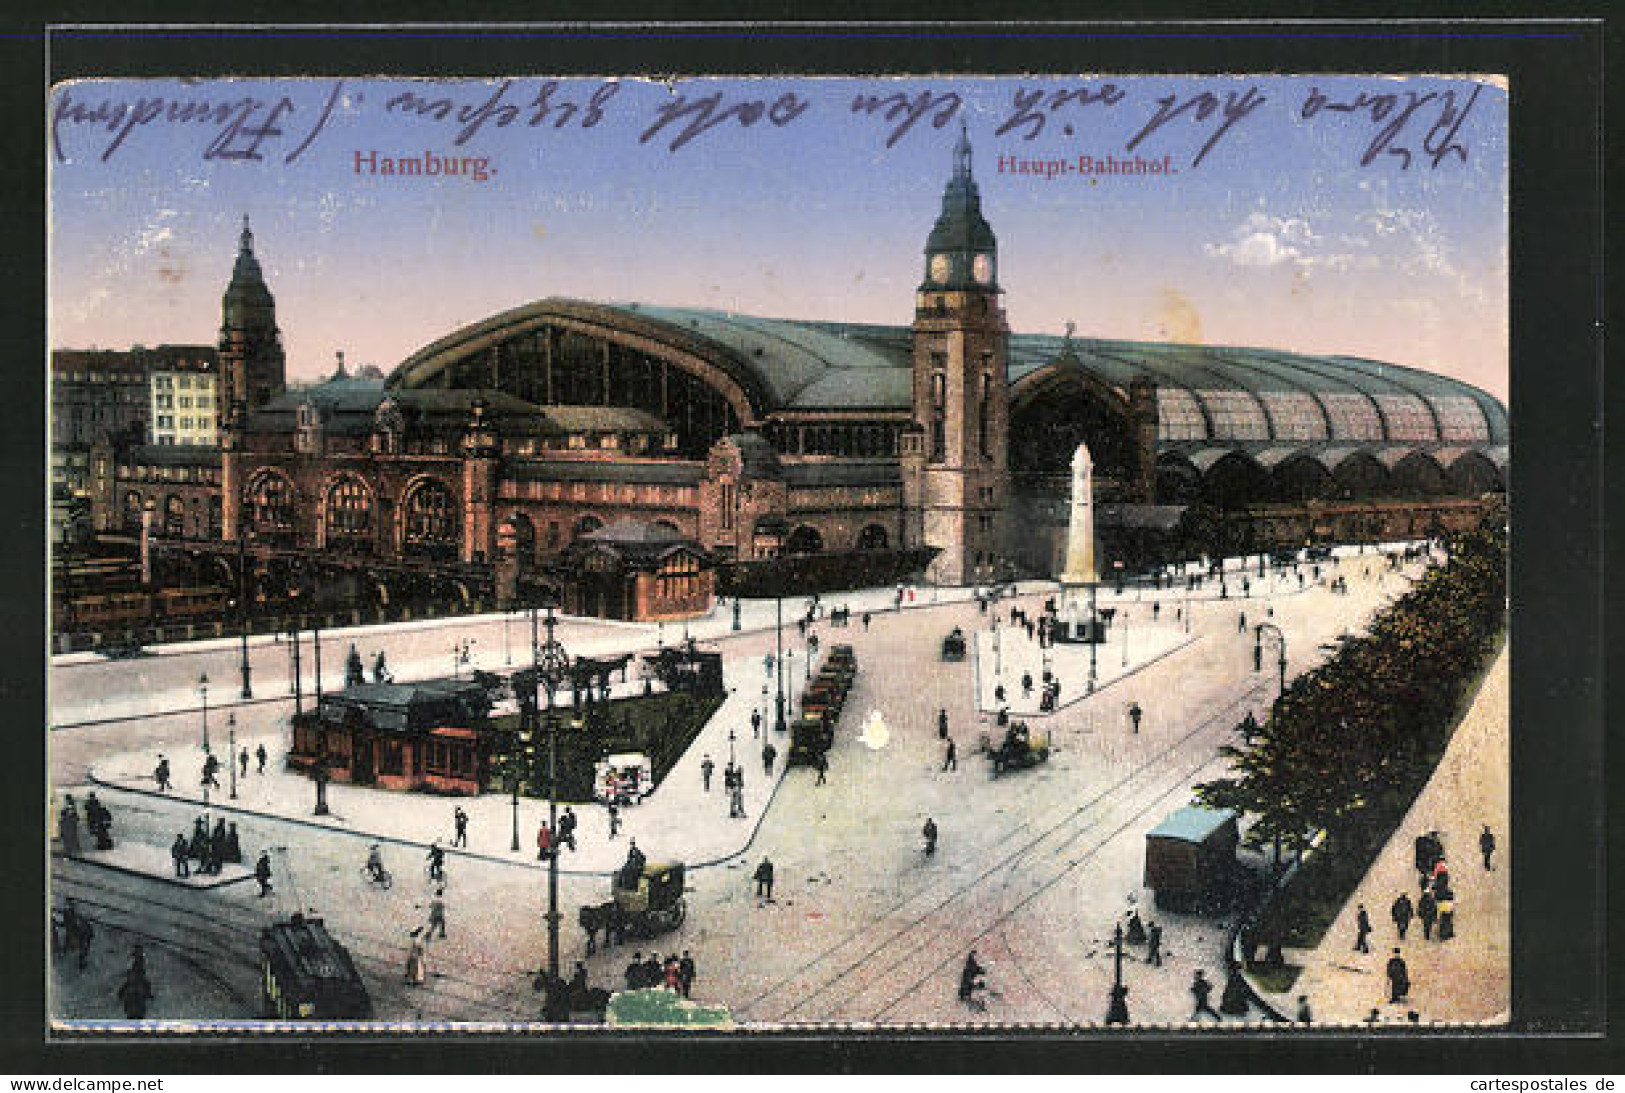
(381,879)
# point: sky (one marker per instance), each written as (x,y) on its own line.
(1359,216)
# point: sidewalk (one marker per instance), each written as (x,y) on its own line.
(145,860)
(1466,980)
(681,819)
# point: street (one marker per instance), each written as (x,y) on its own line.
(1033,869)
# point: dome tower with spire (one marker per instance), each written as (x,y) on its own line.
(253,369)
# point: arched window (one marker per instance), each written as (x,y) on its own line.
(428,519)
(349,514)
(872,537)
(270,502)
(679,576)
(524,538)
(174,518)
(132,511)
(804,540)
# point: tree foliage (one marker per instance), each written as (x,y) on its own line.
(1351,742)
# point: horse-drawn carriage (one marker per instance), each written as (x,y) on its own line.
(953,646)
(641,904)
(1019,750)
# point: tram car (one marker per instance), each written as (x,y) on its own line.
(1190,857)
(307,976)
(127,610)
(810,737)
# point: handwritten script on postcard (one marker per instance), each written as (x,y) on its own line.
(1401,128)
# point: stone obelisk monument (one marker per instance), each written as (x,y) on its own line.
(1080,537)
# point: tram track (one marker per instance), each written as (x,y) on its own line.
(851,959)
(208,938)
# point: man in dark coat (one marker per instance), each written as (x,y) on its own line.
(823,769)
(706,767)
(950,758)
(234,846)
(1486,846)
(942,724)
(764,879)
(160,774)
(1401,912)
(260,757)
(1362,930)
(134,994)
(217,844)
(970,978)
(1200,990)
(686,973)
(1399,978)
(179,852)
(1153,945)
(769,754)
(262,873)
(755,723)
(1427,910)
(200,839)
(634,973)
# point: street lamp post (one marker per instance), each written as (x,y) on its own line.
(1094,637)
(557,663)
(1258,650)
(736,613)
(203,690)
(1125,637)
(778,666)
(507,648)
(316,644)
(298,684)
(731,738)
(231,751)
(1117,1008)
(242,604)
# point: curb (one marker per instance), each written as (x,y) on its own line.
(173,882)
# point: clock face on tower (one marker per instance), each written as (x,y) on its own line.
(939,267)
(982,269)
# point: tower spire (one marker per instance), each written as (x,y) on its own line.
(962,152)
(245,241)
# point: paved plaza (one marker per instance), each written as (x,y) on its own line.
(1032,870)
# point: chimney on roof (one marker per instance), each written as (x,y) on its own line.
(339,373)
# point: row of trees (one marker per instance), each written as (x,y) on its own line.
(1350,743)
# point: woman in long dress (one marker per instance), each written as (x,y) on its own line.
(416,963)
(69,826)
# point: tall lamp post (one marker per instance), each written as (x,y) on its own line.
(242,603)
(203,691)
(1094,636)
(1117,1008)
(551,663)
(778,666)
(1258,650)
(231,751)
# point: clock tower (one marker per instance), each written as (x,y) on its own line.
(955,485)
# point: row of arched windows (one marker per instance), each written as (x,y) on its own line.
(348,513)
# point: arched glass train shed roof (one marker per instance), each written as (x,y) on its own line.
(1224,395)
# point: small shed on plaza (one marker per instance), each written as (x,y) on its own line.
(433,736)
(1191,855)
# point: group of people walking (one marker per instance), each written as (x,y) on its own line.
(98,821)
(212,851)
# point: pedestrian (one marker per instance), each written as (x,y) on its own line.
(1362,927)
(1200,990)
(262,873)
(567,828)
(217,846)
(634,972)
(1156,610)
(210,766)
(1486,846)
(178,852)
(614,819)
(1134,714)
(459,823)
(1427,910)
(866,620)
(998,693)
(134,994)
(1441,875)
(417,964)
(736,805)
(1134,932)
(259,754)
(1401,913)
(437,861)
(769,753)
(380,670)
(686,973)
(942,724)
(950,760)
(234,846)
(706,769)
(929,833)
(68,826)
(544,842)
(764,880)
(1241,623)
(1447,914)
(1153,945)
(80,933)
(354,674)
(242,762)
(160,774)
(1304,1016)
(1026,684)
(672,974)
(200,839)
(437,914)
(1399,978)
(652,971)
(823,768)
(970,978)
(755,724)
